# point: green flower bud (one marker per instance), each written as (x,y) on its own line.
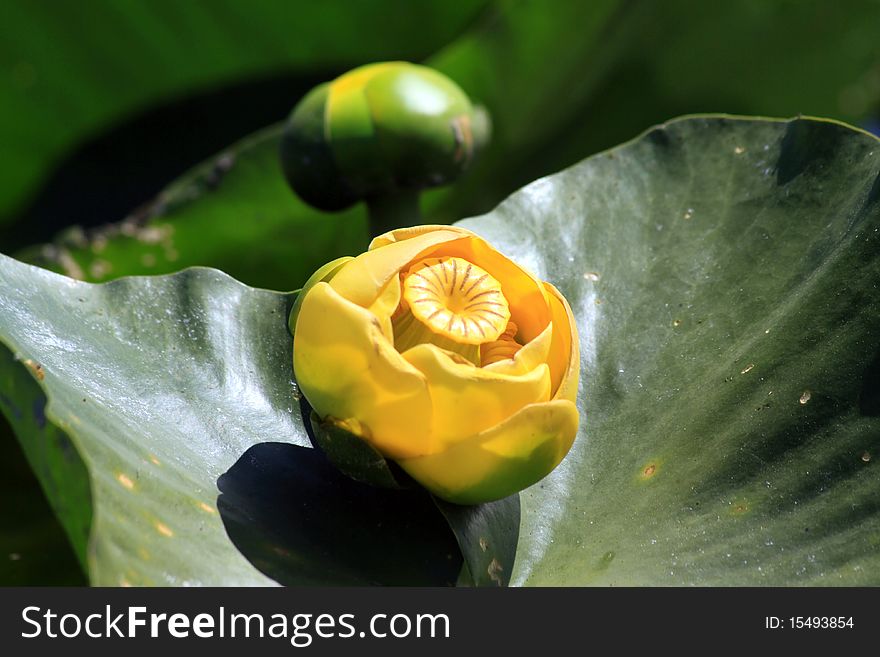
(379,129)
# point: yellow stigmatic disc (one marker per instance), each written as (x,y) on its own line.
(456,300)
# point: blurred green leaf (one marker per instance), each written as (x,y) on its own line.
(559,84)
(583,77)
(235,212)
(724,274)
(73,69)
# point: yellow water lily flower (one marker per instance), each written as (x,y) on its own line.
(444,355)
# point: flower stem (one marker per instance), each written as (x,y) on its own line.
(392,210)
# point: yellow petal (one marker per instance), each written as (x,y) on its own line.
(385,305)
(564,358)
(403,234)
(349,371)
(362,279)
(467,399)
(324,273)
(502,460)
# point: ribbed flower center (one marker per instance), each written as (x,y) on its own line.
(457,306)
(457,300)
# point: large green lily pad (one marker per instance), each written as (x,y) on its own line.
(724,273)
(117,363)
(726,279)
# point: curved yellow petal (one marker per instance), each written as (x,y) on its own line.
(564,358)
(349,371)
(403,234)
(323,274)
(385,305)
(502,460)
(467,399)
(362,279)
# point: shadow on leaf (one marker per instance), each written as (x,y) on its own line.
(869,397)
(301,522)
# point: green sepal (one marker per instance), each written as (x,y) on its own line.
(487,536)
(355,457)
